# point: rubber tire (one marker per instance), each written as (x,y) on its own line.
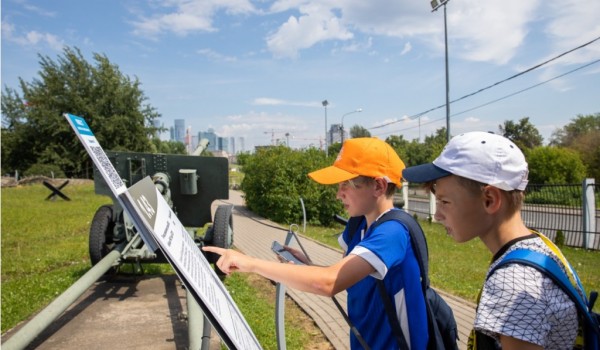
(223,227)
(101,233)
(222,234)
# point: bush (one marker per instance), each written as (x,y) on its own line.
(49,170)
(555,165)
(275,178)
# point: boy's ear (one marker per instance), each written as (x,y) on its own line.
(492,199)
(381,184)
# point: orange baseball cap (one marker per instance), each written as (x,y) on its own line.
(363,156)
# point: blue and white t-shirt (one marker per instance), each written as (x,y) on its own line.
(387,248)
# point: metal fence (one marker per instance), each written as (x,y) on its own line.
(557,211)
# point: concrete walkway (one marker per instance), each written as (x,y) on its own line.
(253,235)
(147,312)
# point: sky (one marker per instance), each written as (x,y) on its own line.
(261,69)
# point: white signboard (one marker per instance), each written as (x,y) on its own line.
(159,226)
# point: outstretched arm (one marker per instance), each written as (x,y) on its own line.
(327,281)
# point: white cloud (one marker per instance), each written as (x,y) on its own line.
(575,26)
(215,56)
(407,48)
(188,16)
(31,38)
(268,101)
(317,23)
(490,31)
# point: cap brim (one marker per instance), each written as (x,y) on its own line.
(424,173)
(331,175)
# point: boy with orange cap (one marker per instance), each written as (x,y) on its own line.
(367,171)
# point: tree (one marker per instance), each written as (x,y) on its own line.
(275,178)
(35,131)
(555,165)
(168,147)
(359,131)
(582,135)
(524,134)
(400,145)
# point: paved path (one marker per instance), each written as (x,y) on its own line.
(145,312)
(253,235)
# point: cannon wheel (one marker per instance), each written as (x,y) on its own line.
(221,234)
(101,233)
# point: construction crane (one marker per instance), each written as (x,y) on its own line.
(274,140)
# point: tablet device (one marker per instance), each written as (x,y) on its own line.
(285,254)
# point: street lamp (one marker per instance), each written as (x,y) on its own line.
(435,5)
(325,103)
(354,111)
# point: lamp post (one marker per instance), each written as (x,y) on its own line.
(358,110)
(435,5)
(325,103)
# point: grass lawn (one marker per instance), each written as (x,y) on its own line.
(459,269)
(45,250)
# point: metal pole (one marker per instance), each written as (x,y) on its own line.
(358,110)
(447,78)
(325,103)
(40,322)
(326,150)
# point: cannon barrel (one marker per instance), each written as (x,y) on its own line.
(51,312)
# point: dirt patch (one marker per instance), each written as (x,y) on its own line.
(7,181)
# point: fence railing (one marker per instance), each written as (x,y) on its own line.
(567,213)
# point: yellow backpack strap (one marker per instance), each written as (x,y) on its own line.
(560,257)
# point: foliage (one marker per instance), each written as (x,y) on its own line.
(582,135)
(400,145)
(276,178)
(49,170)
(243,157)
(359,131)
(540,194)
(168,147)
(523,134)
(45,250)
(460,268)
(555,165)
(112,104)
(334,149)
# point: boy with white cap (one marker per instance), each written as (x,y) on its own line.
(479,181)
(367,172)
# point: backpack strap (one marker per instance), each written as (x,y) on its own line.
(418,243)
(392,317)
(550,268)
(415,232)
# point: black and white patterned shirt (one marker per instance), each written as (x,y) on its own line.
(521,302)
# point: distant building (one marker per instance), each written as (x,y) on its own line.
(232,149)
(211,137)
(335,134)
(178,132)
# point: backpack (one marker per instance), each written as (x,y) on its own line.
(589,337)
(443,333)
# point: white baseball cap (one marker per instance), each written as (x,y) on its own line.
(480,156)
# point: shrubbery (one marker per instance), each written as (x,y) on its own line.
(277,177)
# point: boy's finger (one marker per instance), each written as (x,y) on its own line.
(217,250)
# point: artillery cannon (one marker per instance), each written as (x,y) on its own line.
(189,184)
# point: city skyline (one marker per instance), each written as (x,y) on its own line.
(262,68)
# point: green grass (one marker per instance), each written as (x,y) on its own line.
(44,246)
(460,269)
(45,250)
